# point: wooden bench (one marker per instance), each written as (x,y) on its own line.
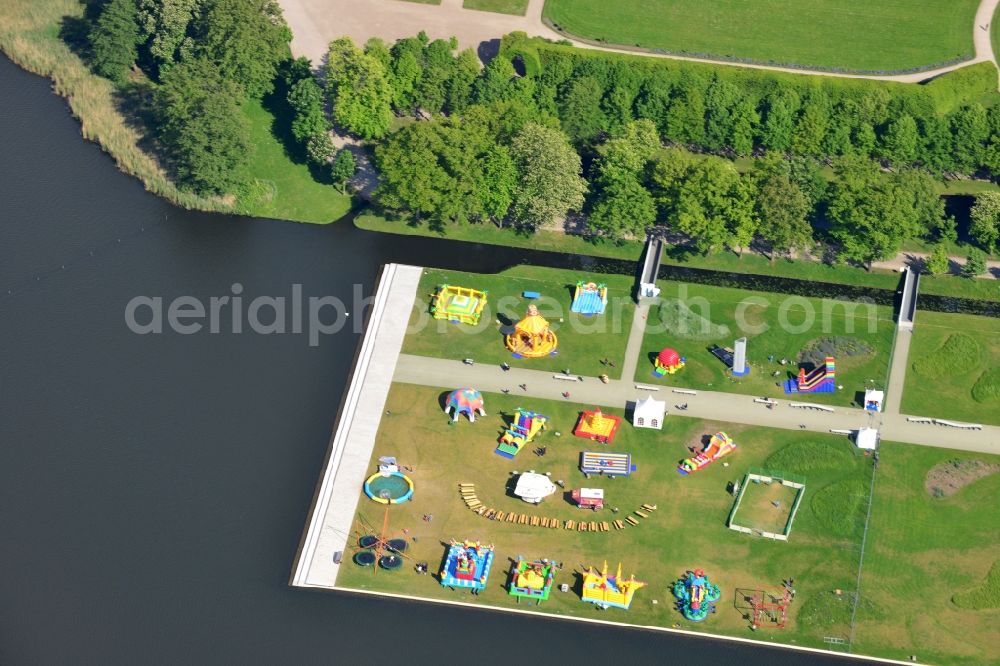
(511,517)
(554,523)
(501,515)
(583,526)
(604,527)
(641,514)
(545,522)
(522,519)
(570,524)
(475,505)
(649,507)
(535,520)
(619,525)
(466,485)
(491,513)
(593,526)
(481,510)
(631,521)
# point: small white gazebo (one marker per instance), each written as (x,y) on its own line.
(649,413)
(533,488)
(867,439)
(874,400)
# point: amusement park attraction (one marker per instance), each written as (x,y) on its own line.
(388,485)
(667,362)
(465,401)
(597,425)
(458,305)
(820,380)
(589,298)
(381,548)
(718,446)
(524,428)
(467,565)
(607,591)
(532,337)
(531,580)
(696,596)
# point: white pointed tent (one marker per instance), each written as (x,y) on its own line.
(649,413)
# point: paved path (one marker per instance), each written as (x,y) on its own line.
(332,521)
(897,370)
(710,405)
(315,23)
(634,347)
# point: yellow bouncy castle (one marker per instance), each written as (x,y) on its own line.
(609,591)
(532,337)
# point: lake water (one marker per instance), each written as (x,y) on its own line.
(153,488)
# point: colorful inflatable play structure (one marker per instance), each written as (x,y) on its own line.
(532,337)
(718,446)
(589,298)
(820,380)
(608,464)
(597,425)
(607,591)
(524,428)
(696,596)
(465,401)
(531,580)
(467,565)
(667,362)
(458,305)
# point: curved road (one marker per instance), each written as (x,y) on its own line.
(315,23)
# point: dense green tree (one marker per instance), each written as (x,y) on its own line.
(970,131)
(309,118)
(498,183)
(685,122)
(937,261)
(779,120)
(405,76)
(343,169)
(812,125)
(412,180)
(114,40)
(740,215)
(439,66)
(653,101)
(166,25)
(975,263)
(864,139)
(623,209)
(581,114)
(783,209)
(463,79)
(936,138)
(843,121)
(617,106)
(719,121)
(549,182)
(711,204)
(358,90)
(202,127)
(871,214)
(745,121)
(900,141)
(376,48)
(985,226)
(625,156)
(246,39)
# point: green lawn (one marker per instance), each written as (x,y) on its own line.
(285,189)
(692,318)
(950,356)
(583,341)
(687,530)
(922,551)
(849,34)
(516,7)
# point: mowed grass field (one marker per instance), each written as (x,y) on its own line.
(583,341)
(922,551)
(288,189)
(693,318)
(516,7)
(687,530)
(848,34)
(954,368)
